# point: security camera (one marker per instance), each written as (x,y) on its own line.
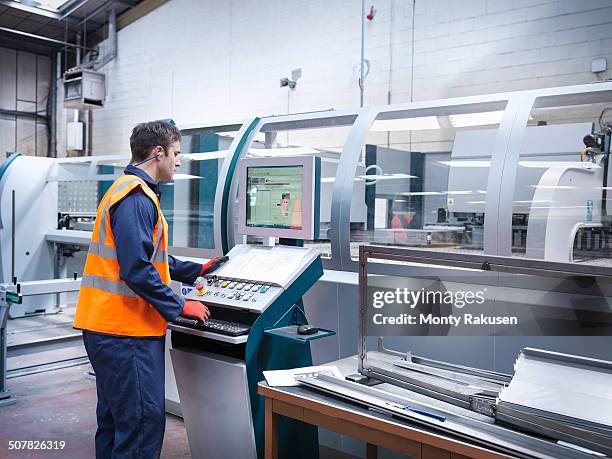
(287,82)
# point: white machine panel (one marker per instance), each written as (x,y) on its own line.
(253,277)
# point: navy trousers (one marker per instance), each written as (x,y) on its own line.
(131,395)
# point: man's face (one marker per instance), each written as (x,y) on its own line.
(169,162)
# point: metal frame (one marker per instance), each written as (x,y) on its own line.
(449,262)
(310,120)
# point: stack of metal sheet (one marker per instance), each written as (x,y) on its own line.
(466,387)
(566,397)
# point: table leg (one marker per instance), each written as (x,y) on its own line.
(271,444)
(371,451)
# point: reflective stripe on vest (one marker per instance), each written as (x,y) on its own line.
(106,304)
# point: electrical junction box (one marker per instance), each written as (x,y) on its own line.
(75,136)
(599,65)
(84,89)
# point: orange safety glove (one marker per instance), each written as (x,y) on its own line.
(195,310)
(213,264)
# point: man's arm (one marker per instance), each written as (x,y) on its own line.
(187,272)
(133,220)
(184,271)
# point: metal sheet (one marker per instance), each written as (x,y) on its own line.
(7,136)
(26,76)
(492,436)
(42,140)
(8,80)
(43,83)
(26,136)
(578,390)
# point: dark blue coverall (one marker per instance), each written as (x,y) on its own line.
(130,371)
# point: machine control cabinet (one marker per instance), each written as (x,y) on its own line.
(260,288)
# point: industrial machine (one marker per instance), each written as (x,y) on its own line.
(256,307)
(488,175)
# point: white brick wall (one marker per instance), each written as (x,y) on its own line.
(219,59)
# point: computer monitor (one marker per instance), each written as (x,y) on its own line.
(279,197)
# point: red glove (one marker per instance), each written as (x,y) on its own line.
(213,264)
(195,310)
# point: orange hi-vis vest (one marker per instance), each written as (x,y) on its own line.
(106,304)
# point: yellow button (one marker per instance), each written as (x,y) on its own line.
(224,284)
(201,292)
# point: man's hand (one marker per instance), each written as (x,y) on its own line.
(195,310)
(213,264)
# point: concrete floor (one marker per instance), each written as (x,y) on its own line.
(60,405)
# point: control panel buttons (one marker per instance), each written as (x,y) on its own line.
(255,288)
(239,286)
(203,291)
(224,284)
(232,284)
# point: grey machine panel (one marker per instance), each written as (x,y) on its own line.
(206,430)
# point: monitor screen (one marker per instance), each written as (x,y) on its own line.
(274,196)
(279,197)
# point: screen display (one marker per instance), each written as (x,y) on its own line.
(274,196)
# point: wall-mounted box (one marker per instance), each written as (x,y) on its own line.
(75,136)
(84,89)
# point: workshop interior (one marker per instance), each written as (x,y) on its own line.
(412,198)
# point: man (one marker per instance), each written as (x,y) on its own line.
(125,300)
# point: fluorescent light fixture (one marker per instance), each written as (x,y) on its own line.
(477,202)
(535,201)
(558,164)
(482,192)
(204,156)
(476,119)
(558,207)
(185,177)
(333,179)
(552,187)
(56,4)
(465,163)
(422,193)
(114,163)
(282,151)
(422,123)
(386,176)
(459,192)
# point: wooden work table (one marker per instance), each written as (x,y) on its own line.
(376,429)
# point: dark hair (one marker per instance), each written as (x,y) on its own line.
(146,136)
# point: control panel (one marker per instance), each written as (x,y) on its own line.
(233,293)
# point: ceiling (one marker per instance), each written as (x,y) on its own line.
(55,22)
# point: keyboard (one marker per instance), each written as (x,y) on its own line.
(215,326)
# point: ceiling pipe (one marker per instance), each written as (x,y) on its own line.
(40,37)
(111,53)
